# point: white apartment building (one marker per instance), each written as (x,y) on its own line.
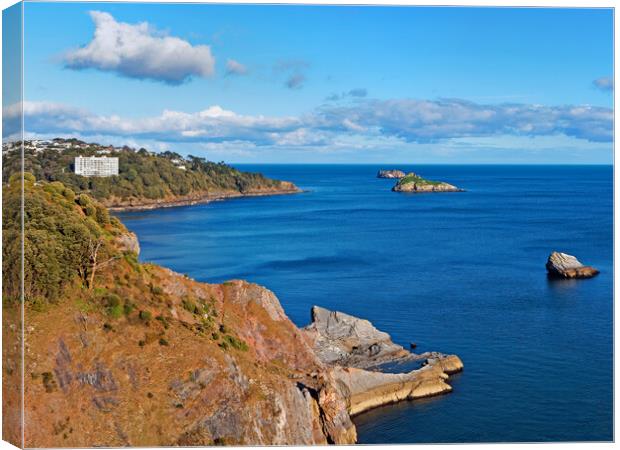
(96,166)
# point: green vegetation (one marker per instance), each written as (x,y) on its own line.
(414,178)
(67,239)
(145,315)
(234,342)
(142,175)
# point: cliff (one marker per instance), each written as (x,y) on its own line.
(415,183)
(120,353)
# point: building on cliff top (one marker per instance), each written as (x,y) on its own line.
(96,166)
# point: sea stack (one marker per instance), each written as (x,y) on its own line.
(390,174)
(415,183)
(562,265)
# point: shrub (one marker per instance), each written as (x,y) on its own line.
(163,341)
(49,382)
(157,290)
(146,315)
(236,343)
(116,311)
(113,300)
(128,308)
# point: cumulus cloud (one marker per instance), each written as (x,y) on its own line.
(604,84)
(139,51)
(366,120)
(235,68)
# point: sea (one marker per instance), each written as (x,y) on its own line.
(460,273)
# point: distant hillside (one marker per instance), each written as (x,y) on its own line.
(145,178)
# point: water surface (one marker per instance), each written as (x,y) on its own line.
(459,273)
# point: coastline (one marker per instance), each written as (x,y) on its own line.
(197,200)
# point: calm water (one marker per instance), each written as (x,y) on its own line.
(459,273)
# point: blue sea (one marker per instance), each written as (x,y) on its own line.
(459,273)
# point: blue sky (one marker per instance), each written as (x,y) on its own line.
(261,83)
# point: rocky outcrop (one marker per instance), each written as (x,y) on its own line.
(562,265)
(390,174)
(344,340)
(128,242)
(356,351)
(416,184)
(367,389)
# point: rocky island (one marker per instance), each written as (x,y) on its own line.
(415,183)
(122,353)
(562,265)
(390,174)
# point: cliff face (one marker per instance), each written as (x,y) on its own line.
(159,376)
(119,353)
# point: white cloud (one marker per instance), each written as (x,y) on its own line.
(604,83)
(235,68)
(139,51)
(365,121)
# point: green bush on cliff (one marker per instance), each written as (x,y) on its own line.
(235,343)
(62,242)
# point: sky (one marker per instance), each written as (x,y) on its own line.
(323,84)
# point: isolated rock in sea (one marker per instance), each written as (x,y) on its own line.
(415,183)
(390,174)
(562,265)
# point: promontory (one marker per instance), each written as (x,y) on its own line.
(122,353)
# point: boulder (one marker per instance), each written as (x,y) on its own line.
(562,265)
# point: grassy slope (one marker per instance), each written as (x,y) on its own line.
(145,356)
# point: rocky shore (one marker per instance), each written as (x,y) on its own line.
(143,204)
(562,265)
(355,351)
(415,183)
